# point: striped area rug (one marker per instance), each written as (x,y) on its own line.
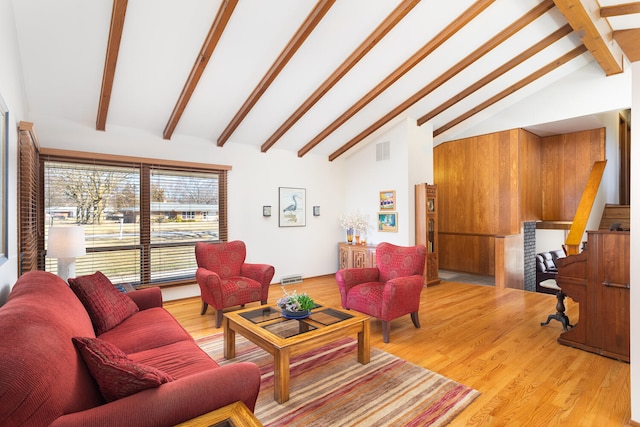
(330,388)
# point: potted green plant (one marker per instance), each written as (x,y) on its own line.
(294,305)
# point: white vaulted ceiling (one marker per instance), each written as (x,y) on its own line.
(303,75)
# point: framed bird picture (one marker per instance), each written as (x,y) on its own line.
(292,209)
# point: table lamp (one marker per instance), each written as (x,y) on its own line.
(66,243)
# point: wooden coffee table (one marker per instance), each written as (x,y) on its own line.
(284,338)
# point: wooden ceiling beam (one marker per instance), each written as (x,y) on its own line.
(620,9)
(378,34)
(118,12)
(495,41)
(514,88)
(307,27)
(594,31)
(210,42)
(629,42)
(533,50)
(415,59)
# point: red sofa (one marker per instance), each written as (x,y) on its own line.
(44,380)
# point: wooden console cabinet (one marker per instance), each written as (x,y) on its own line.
(427,229)
(598,279)
(357,256)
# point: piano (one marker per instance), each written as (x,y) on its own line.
(598,280)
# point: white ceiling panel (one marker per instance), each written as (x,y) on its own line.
(63,46)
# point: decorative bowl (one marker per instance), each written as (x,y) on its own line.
(295,314)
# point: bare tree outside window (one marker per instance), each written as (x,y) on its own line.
(126,240)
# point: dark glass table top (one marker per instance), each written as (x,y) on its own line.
(272,320)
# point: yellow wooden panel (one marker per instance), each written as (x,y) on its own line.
(584,208)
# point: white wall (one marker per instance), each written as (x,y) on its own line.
(253,182)
(635,249)
(344,185)
(12,91)
(410,163)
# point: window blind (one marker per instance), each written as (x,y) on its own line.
(141,219)
(30,232)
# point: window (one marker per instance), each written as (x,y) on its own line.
(141,220)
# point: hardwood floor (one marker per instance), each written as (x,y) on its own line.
(489,339)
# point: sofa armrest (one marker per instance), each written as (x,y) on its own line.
(176,401)
(147,297)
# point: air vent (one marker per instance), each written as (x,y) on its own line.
(383,151)
(289,280)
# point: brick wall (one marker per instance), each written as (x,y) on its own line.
(530,256)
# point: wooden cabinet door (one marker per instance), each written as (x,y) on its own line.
(359,255)
(343,257)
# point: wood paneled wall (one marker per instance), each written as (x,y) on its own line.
(490,184)
(566,163)
(471,253)
(530,176)
(478,184)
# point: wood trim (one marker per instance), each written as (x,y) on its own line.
(514,88)
(29,127)
(307,27)
(118,13)
(620,9)
(629,42)
(553,225)
(422,53)
(378,34)
(624,143)
(533,50)
(131,159)
(210,42)
(509,262)
(595,35)
(499,38)
(234,414)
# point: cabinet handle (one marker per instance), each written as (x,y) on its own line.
(616,285)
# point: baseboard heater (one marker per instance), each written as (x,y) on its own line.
(291,279)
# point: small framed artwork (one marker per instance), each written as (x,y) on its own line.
(388,222)
(316,211)
(292,211)
(266,210)
(387,200)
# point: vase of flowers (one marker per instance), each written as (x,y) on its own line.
(361,225)
(355,224)
(294,305)
(347,222)
(350,233)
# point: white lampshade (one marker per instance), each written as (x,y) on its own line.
(66,242)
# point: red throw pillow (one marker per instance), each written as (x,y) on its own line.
(117,375)
(107,307)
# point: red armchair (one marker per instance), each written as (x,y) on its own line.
(389,291)
(226,280)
